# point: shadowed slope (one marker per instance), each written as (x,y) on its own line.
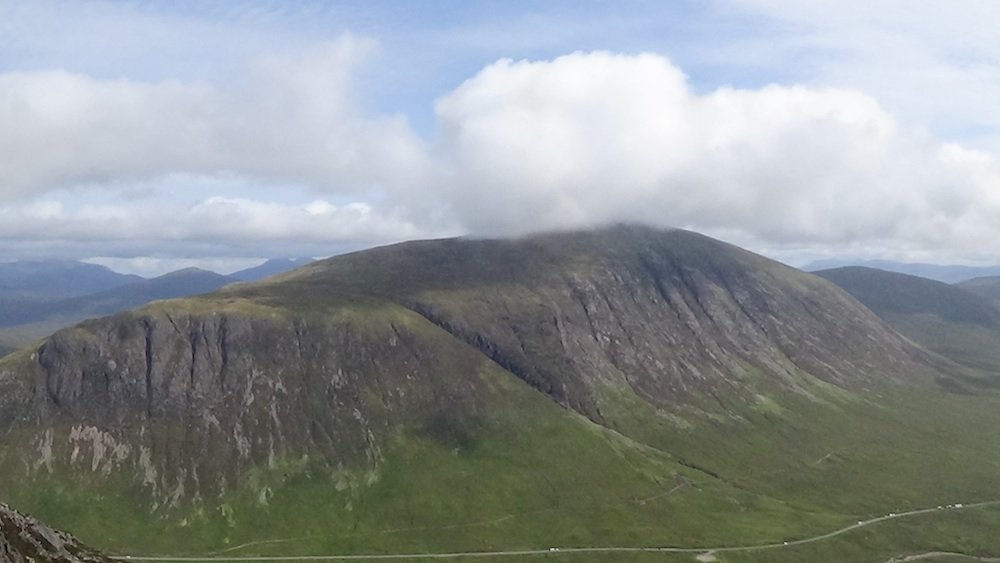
(947,319)
(987,287)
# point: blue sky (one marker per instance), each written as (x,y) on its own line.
(148,135)
(425,48)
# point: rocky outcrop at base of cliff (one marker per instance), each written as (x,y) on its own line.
(26,540)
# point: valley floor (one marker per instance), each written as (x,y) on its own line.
(612,553)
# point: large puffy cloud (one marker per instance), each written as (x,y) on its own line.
(282,119)
(594,138)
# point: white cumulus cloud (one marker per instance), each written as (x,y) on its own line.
(592,138)
(285,118)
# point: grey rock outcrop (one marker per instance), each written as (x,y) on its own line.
(26,540)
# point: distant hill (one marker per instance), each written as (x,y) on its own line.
(946,274)
(56,279)
(27,287)
(987,287)
(182,283)
(947,319)
(270,268)
(26,321)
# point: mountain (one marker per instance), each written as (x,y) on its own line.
(55,279)
(987,287)
(26,540)
(615,388)
(34,285)
(960,325)
(946,274)
(24,322)
(270,268)
(181,283)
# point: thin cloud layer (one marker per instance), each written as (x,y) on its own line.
(934,62)
(283,119)
(215,220)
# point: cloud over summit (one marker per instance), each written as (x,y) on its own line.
(597,137)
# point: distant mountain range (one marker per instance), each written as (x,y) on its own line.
(40,297)
(56,279)
(946,274)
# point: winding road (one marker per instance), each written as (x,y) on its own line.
(569,550)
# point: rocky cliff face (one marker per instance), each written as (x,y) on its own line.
(665,314)
(186,398)
(670,318)
(25,540)
(188,402)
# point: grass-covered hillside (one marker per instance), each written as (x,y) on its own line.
(987,287)
(951,320)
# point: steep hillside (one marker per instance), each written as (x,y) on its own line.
(625,386)
(987,287)
(662,314)
(26,540)
(956,323)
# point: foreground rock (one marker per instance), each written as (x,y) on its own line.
(24,539)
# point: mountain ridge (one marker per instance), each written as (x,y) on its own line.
(943,273)
(948,319)
(270,267)
(48,279)
(987,287)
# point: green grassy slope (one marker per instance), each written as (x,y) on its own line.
(540,476)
